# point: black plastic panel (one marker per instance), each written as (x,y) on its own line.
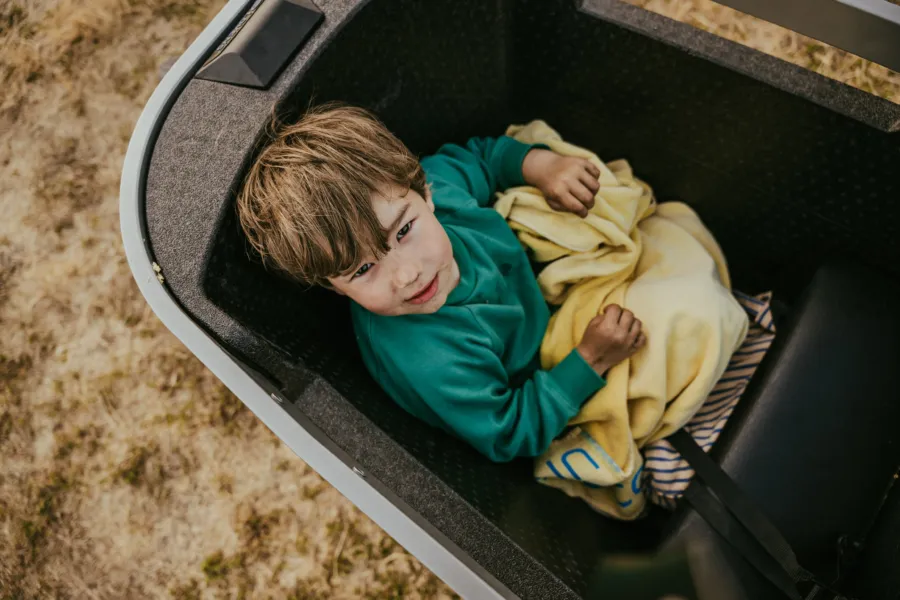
(266,39)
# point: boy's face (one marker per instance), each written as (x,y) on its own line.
(418,273)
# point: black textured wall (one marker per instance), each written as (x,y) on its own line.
(782,182)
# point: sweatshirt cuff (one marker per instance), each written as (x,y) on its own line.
(511,160)
(577,378)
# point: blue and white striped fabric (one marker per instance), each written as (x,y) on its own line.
(667,474)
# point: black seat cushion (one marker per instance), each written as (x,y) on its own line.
(815,440)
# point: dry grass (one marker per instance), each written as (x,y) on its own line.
(128,471)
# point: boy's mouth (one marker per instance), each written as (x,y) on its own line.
(426,293)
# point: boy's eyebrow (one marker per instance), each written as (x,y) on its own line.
(396,224)
(398,219)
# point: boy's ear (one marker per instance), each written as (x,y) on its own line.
(428,198)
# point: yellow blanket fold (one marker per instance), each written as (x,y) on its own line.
(660,262)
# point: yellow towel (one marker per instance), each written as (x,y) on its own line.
(660,262)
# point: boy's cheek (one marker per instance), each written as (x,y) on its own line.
(381,304)
(335,286)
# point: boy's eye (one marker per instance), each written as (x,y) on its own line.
(362,270)
(404,230)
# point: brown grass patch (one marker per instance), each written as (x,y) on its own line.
(128,470)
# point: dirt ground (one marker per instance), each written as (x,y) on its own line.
(126,469)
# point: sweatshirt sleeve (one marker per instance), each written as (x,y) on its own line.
(481,167)
(457,378)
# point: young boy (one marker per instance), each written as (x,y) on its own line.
(446,308)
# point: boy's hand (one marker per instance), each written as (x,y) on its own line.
(569,184)
(610,338)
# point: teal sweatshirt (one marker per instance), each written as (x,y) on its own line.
(472,368)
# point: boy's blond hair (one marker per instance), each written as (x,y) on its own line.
(306,204)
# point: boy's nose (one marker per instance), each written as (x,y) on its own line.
(405,274)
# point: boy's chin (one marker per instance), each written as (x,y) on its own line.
(410,309)
(423,309)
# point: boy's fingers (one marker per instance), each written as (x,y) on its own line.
(634,332)
(593,170)
(557,203)
(590,182)
(574,205)
(626,321)
(636,328)
(640,341)
(612,313)
(583,194)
